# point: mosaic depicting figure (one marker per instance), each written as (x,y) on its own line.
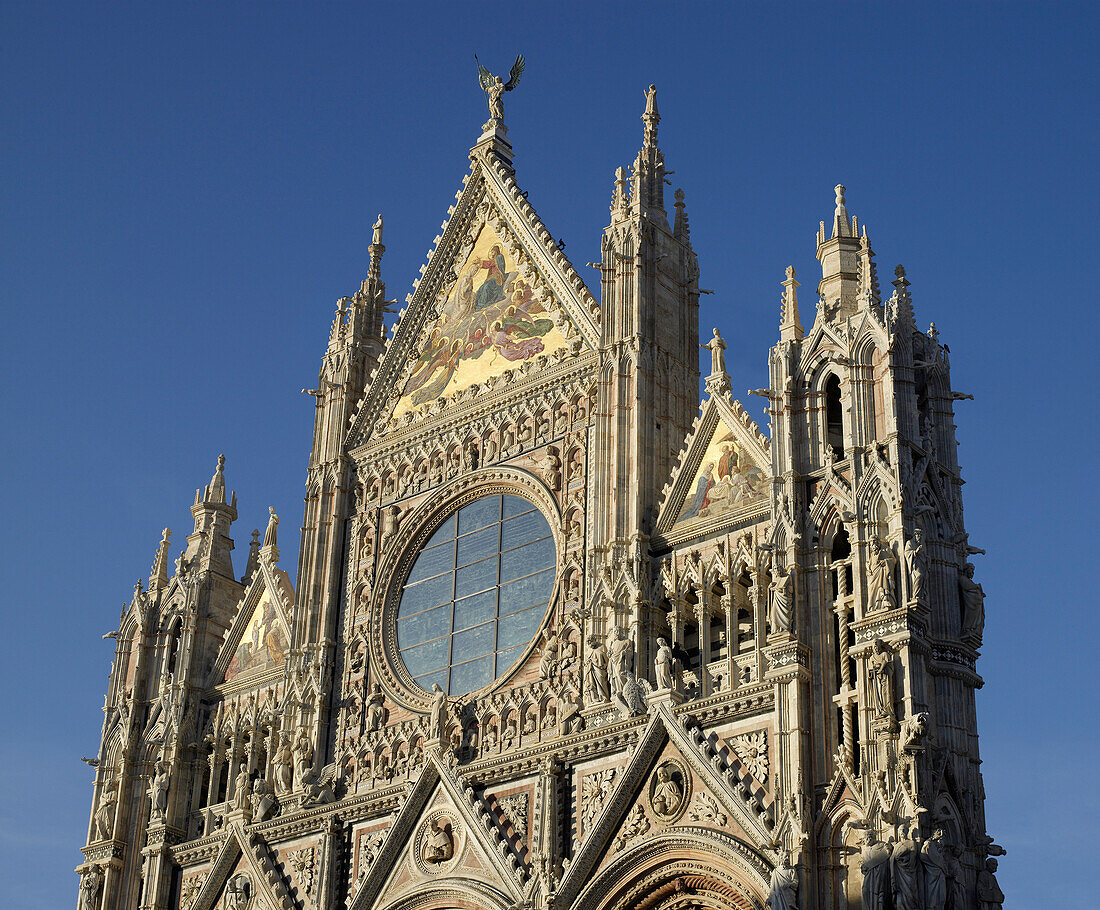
(726,479)
(263,643)
(490,317)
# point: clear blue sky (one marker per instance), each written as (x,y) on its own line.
(189,188)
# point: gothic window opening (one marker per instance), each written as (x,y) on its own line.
(746,627)
(834,416)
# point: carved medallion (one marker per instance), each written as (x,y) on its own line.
(439,842)
(669,790)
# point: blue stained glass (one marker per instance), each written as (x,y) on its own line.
(469,611)
(472,611)
(516,505)
(479,514)
(474,546)
(518,531)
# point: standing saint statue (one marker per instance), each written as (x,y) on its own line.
(882,585)
(917,563)
(495,87)
(437,714)
(990,895)
(595,671)
(880,670)
(905,872)
(973,602)
(876,873)
(783,887)
(90,883)
(664,668)
(621,653)
(717,348)
(780,616)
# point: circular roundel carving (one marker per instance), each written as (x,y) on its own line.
(473,572)
(439,841)
(669,790)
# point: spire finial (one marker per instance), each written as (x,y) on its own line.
(618,195)
(842,227)
(790,326)
(868,293)
(681,230)
(650,118)
(216,491)
(158,575)
(376,250)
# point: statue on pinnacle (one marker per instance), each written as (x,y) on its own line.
(495,87)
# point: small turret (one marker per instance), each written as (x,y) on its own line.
(209,545)
(839,258)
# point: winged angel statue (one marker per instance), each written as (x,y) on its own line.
(495,87)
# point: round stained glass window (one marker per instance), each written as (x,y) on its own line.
(477,594)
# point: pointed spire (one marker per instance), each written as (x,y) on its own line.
(158,575)
(376,250)
(253,562)
(681,230)
(868,294)
(648,184)
(842,226)
(215,490)
(650,118)
(619,200)
(790,326)
(901,303)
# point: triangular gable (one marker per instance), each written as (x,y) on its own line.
(259,637)
(724,469)
(480,848)
(496,294)
(623,816)
(238,855)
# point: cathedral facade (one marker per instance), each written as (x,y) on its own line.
(562,636)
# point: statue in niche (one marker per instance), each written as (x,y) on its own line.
(933,858)
(90,884)
(440,845)
(876,873)
(905,872)
(284,765)
(595,667)
(548,662)
(882,587)
(376,708)
(242,789)
(158,793)
(569,713)
(973,602)
(880,672)
(437,713)
(668,796)
(917,563)
(303,758)
(780,613)
(664,665)
(620,660)
(783,886)
(105,814)
(990,895)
